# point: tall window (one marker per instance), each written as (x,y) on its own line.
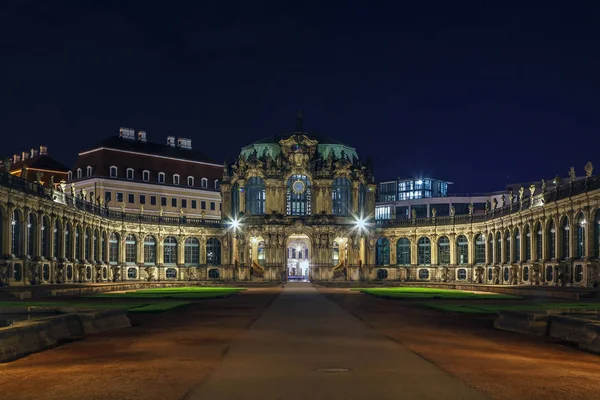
(538,241)
(260,250)
(170,250)
(298,195)
(506,251)
(341,196)
(113,172)
(150,250)
(382,252)
(30,235)
(490,252)
(462,250)
(565,237)
(78,235)
(517,256)
(56,237)
(551,240)
(424,251)
(86,243)
(527,243)
(213,251)
(580,236)
(255,196)
(113,248)
(16,246)
(498,248)
(146,176)
(235,200)
(68,241)
(204,182)
(362,196)
(44,238)
(336,252)
(480,249)
(130,249)
(192,251)
(96,247)
(175,179)
(403,251)
(103,242)
(190,181)
(444,250)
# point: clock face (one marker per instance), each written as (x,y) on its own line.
(298,187)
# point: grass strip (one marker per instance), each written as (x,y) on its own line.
(492,309)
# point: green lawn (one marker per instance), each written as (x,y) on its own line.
(429,293)
(132,307)
(175,293)
(492,309)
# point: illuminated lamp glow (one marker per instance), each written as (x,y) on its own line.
(419,182)
(235,223)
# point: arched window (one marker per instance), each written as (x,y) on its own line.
(498,248)
(113,248)
(161,177)
(341,198)
(424,251)
(423,274)
(403,251)
(68,241)
(597,233)
(213,273)
(146,175)
(130,249)
(235,200)
(190,181)
(565,238)
(260,250)
(70,176)
(490,252)
(96,246)
(171,273)
(444,250)
(506,252)
(175,179)
(255,196)
(336,253)
(170,250)
(382,273)
(113,171)
(213,252)
(149,250)
(56,252)
(192,251)
(480,249)
(45,237)
(89,171)
(517,256)
(78,235)
(87,245)
(527,243)
(538,241)
(580,236)
(298,195)
(382,252)
(217,186)
(462,250)
(204,182)
(103,241)
(130,174)
(31,235)
(16,246)
(79,174)
(551,240)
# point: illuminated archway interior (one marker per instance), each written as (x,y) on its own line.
(298,255)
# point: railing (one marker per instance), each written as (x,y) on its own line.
(34,188)
(552,195)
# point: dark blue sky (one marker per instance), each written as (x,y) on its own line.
(482,93)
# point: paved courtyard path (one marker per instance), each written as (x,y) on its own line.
(306,347)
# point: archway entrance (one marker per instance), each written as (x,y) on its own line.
(298,255)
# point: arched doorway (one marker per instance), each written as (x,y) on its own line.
(298,256)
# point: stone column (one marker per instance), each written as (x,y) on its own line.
(393,256)
(180,249)
(414,250)
(452,238)
(434,251)
(242,195)
(355,195)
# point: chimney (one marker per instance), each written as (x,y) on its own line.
(127,133)
(184,143)
(25,155)
(16,158)
(43,150)
(171,141)
(34,153)
(142,136)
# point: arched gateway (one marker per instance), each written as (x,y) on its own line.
(294,203)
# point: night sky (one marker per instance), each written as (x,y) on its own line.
(482,93)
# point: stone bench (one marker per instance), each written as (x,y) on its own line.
(535,324)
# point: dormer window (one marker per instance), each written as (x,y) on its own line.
(88,171)
(204,183)
(78,173)
(113,171)
(146,176)
(130,173)
(70,176)
(217,186)
(175,179)
(190,181)
(161,177)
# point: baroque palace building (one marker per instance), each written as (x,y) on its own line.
(301,206)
